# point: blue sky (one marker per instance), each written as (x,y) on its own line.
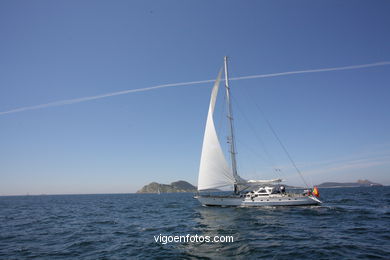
(334,124)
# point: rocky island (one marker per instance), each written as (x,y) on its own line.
(177,186)
(359,183)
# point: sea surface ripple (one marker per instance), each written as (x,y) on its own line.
(353,223)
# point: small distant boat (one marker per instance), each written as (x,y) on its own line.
(158,191)
(215,173)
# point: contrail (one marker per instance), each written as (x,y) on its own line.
(83,99)
(351,67)
(123,92)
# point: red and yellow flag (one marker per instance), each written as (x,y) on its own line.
(316,192)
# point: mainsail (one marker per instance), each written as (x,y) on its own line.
(214,171)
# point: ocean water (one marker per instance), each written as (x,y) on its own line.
(353,223)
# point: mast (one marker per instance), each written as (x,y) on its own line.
(230,117)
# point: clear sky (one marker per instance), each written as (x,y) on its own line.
(335,124)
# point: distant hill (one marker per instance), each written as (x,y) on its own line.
(177,186)
(359,183)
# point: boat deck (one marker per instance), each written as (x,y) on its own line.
(286,195)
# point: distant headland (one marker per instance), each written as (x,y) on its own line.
(359,183)
(177,186)
(183,186)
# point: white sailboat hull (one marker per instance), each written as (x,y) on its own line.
(215,173)
(272,200)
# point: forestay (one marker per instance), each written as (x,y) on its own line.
(214,171)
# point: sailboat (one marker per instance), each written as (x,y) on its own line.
(214,172)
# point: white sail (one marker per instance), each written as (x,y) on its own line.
(214,171)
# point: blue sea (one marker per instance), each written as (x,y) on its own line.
(353,223)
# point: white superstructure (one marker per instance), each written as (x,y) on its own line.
(214,171)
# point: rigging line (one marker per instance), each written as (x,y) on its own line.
(252,153)
(124,92)
(277,169)
(262,144)
(228,174)
(282,145)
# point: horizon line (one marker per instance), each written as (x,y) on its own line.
(127,193)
